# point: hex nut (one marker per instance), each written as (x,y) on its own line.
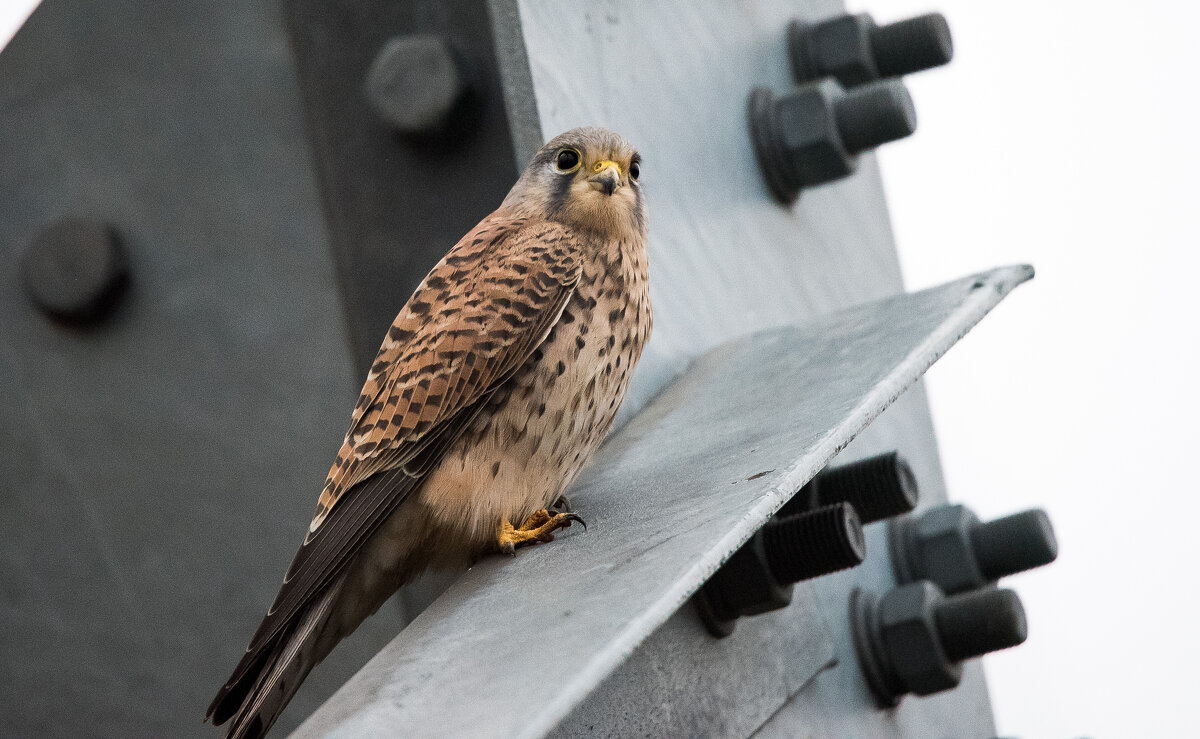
(743,586)
(937,546)
(838,48)
(908,631)
(809,134)
(796,138)
(759,577)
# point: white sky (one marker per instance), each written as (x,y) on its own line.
(12,14)
(1065,134)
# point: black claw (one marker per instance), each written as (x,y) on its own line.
(561,505)
(578,518)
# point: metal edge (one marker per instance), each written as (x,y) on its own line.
(978,303)
(520,99)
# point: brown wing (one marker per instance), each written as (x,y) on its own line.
(474,321)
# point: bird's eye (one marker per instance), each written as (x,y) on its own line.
(635,170)
(567,160)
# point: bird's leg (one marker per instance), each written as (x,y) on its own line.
(540,526)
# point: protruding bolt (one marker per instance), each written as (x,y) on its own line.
(1015,543)
(980,622)
(913,638)
(816,543)
(418,86)
(76,270)
(759,576)
(854,50)
(813,134)
(874,115)
(949,545)
(878,487)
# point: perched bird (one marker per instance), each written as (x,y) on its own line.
(497,381)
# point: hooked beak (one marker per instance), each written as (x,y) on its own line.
(607,178)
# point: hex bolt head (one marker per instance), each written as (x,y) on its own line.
(854,50)
(76,270)
(418,86)
(759,576)
(813,134)
(913,639)
(878,487)
(948,545)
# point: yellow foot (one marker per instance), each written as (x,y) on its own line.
(540,526)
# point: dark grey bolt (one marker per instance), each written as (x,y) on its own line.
(979,622)
(913,639)
(1015,543)
(759,576)
(418,86)
(874,114)
(878,487)
(815,543)
(75,270)
(854,50)
(949,545)
(813,134)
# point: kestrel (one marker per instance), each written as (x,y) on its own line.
(497,381)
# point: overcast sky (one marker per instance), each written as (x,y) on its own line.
(1064,134)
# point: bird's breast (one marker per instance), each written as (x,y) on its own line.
(545,423)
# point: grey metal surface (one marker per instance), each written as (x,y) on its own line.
(683,682)
(515,645)
(725,259)
(157,471)
(395,206)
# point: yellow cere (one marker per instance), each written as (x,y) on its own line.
(600,165)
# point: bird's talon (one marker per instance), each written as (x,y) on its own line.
(536,519)
(539,526)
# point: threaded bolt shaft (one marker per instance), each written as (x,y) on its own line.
(812,544)
(874,114)
(878,487)
(981,621)
(912,45)
(1014,543)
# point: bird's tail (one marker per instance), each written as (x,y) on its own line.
(265,689)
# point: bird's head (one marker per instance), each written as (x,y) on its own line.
(586,178)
